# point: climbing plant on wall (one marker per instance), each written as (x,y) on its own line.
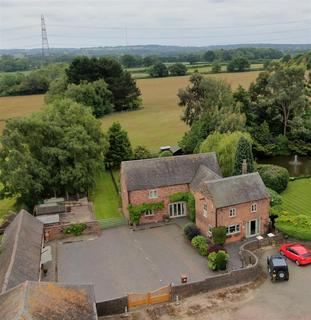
(187,197)
(136,211)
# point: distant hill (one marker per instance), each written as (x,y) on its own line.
(144,50)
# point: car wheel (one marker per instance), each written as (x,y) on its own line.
(281,253)
(297,262)
(281,275)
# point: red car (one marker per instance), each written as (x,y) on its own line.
(296,252)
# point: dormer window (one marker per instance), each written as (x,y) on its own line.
(153,194)
(232,212)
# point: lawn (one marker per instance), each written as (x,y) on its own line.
(296,218)
(105,198)
(297,197)
(156,124)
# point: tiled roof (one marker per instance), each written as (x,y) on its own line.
(20,251)
(203,174)
(166,171)
(45,300)
(234,190)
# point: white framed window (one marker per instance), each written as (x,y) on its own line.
(177,209)
(149,213)
(254,207)
(232,212)
(233,228)
(205,210)
(153,194)
(209,230)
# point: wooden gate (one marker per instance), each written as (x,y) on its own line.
(140,299)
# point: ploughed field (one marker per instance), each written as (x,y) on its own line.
(156,123)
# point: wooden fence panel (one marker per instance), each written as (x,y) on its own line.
(163,294)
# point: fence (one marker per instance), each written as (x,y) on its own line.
(163,294)
(112,222)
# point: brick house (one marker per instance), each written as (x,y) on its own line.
(240,203)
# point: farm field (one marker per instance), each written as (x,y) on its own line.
(296,198)
(156,123)
(11,107)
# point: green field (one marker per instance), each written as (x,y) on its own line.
(157,123)
(204,68)
(105,198)
(297,197)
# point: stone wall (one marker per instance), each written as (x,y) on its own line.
(115,306)
(58,232)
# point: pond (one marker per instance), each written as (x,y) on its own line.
(301,167)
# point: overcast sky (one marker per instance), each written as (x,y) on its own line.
(83,23)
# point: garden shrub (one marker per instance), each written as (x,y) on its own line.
(221,260)
(216,248)
(203,249)
(200,243)
(191,231)
(219,235)
(76,229)
(274,177)
(218,261)
(275,198)
(166,153)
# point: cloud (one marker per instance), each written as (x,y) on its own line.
(185,22)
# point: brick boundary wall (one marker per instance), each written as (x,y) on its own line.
(251,271)
(57,232)
(110,307)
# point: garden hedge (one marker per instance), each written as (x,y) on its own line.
(274,177)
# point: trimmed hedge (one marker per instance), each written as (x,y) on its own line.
(275,198)
(218,261)
(274,177)
(294,225)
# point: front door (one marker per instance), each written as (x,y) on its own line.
(177,209)
(253,228)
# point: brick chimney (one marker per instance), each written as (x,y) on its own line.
(244,167)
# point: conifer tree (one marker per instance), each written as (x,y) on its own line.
(243,151)
(119,146)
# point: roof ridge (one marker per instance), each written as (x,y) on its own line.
(19,216)
(233,177)
(164,158)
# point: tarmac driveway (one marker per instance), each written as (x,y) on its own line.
(287,300)
(123,261)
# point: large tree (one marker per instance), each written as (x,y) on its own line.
(56,152)
(95,95)
(159,70)
(225,145)
(119,146)
(120,83)
(209,106)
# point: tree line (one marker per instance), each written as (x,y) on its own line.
(11,63)
(274,111)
